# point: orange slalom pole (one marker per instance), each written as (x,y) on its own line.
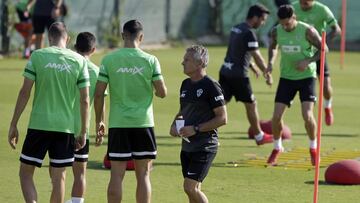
(343,34)
(319,121)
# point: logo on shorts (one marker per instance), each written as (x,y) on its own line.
(191,174)
(199,92)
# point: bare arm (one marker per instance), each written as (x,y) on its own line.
(335,31)
(313,37)
(254,69)
(29,4)
(160,88)
(272,51)
(23,98)
(219,120)
(56,10)
(99,107)
(58,3)
(173,131)
(260,62)
(84,112)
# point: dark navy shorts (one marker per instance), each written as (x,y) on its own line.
(240,88)
(196,165)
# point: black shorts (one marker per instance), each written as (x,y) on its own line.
(326,68)
(131,143)
(59,145)
(287,90)
(240,88)
(83,154)
(40,22)
(196,165)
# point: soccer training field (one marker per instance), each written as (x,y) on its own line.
(235,176)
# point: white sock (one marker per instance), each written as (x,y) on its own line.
(278,144)
(327,103)
(77,200)
(313,144)
(259,136)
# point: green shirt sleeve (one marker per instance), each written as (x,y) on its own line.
(29,71)
(103,74)
(329,16)
(83,79)
(156,70)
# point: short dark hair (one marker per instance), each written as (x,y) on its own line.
(279,3)
(133,28)
(57,30)
(257,10)
(285,11)
(85,42)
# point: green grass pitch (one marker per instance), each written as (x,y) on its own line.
(224,183)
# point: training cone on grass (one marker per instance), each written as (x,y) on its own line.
(344,172)
(107,164)
(267,128)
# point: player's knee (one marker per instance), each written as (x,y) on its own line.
(309,118)
(190,188)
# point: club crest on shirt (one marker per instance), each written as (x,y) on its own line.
(199,92)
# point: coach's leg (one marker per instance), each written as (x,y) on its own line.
(193,190)
(57,175)
(26,174)
(253,116)
(114,192)
(143,189)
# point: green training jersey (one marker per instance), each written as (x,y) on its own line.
(318,16)
(295,47)
(130,73)
(58,74)
(93,76)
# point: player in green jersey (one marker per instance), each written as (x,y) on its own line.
(133,77)
(85,46)
(58,73)
(299,44)
(319,15)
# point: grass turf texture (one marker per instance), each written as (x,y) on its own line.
(224,183)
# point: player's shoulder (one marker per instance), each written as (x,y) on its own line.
(92,66)
(303,24)
(147,55)
(318,4)
(210,82)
